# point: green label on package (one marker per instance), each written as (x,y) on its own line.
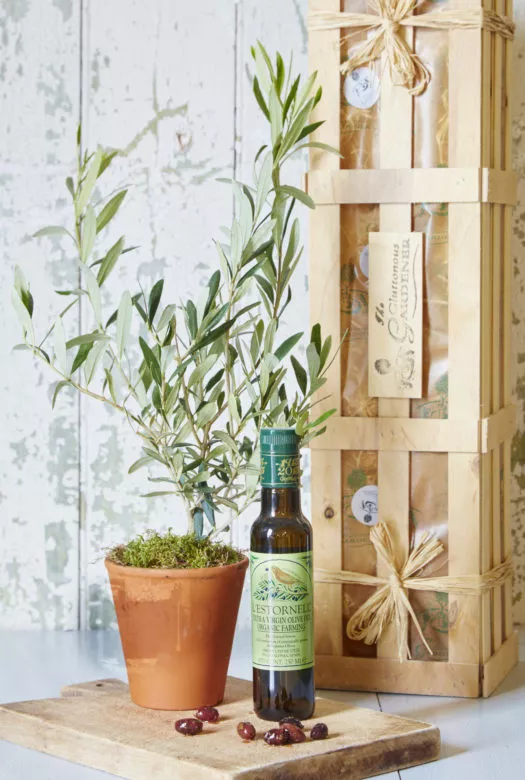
(282,610)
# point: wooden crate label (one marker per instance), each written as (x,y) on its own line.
(396,315)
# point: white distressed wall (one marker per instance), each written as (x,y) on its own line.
(166,81)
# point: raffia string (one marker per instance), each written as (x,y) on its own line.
(390,605)
(385,26)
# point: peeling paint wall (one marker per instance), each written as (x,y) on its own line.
(39,451)
(165,82)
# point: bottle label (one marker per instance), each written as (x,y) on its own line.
(282,610)
(280,471)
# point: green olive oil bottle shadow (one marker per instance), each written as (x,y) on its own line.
(281,575)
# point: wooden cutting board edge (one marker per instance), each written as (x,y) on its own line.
(136,763)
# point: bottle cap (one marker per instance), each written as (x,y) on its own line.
(280,466)
(279,441)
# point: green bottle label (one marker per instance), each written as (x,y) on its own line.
(282,610)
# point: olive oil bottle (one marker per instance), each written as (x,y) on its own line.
(281,586)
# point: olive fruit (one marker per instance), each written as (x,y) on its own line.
(188,726)
(246,730)
(319,731)
(295,734)
(292,720)
(208,714)
(276,737)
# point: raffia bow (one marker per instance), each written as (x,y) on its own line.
(390,604)
(386,35)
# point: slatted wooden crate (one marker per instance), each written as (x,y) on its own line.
(474,437)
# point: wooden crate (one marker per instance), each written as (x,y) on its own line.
(481,647)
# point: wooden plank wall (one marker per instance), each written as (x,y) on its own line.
(39,463)
(168,83)
(171,110)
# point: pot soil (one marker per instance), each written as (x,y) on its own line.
(176,628)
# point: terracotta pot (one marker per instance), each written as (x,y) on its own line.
(176,628)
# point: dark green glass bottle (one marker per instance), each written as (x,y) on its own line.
(281,586)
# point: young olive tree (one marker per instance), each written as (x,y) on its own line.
(202,378)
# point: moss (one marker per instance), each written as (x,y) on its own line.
(169,551)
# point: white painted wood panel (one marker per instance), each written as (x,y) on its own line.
(39,99)
(159,84)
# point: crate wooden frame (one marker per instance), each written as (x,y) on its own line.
(480,190)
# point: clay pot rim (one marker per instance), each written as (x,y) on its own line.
(204,571)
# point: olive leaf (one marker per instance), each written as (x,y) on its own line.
(89,231)
(109,261)
(110,209)
(51,230)
(59,341)
(88,184)
(93,291)
(123,322)
(57,388)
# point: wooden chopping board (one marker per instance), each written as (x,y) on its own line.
(97,725)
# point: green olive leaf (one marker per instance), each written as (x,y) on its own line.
(109,210)
(59,342)
(57,388)
(123,322)
(86,189)
(89,230)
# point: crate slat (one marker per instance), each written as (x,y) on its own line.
(464,337)
(487,263)
(414,185)
(324,308)
(395,151)
(496,161)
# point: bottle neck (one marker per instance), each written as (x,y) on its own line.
(281,502)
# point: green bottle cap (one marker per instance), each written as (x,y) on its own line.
(279,457)
(279,441)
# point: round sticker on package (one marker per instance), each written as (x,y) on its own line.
(362,88)
(364,261)
(364,505)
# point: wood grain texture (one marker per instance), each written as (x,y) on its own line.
(413,185)
(498,364)
(395,151)
(497,668)
(487,325)
(389,674)
(417,435)
(325,274)
(96,724)
(465,102)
